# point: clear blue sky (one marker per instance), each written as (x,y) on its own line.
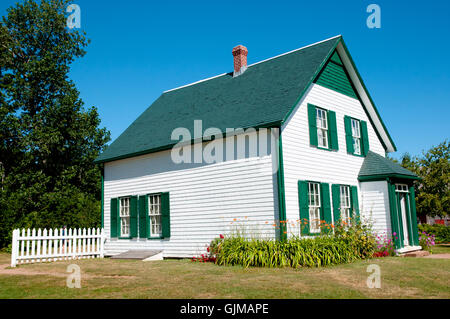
(141,48)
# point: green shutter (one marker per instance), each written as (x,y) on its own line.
(144,223)
(348,134)
(355,203)
(303,206)
(412,211)
(114,216)
(365,138)
(165,215)
(312,125)
(333,137)
(133,217)
(326,207)
(336,192)
(394,216)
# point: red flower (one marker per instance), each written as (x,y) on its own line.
(207,249)
(221,236)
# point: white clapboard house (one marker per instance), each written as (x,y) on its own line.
(320,155)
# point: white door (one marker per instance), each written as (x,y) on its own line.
(403,208)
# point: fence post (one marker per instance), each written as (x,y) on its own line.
(14,248)
(102,245)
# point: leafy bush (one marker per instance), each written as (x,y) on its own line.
(427,241)
(441,232)
(359,235)
(347,245)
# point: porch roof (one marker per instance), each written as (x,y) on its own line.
(377,167)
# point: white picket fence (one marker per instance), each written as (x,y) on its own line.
(32,246)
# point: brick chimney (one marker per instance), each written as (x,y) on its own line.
(240,60)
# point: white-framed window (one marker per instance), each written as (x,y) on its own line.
(401,188)
(356,135)
(124,212)
(346,205)
(154,213)
(322,128)
(314,207)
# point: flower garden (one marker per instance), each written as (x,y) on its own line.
(336,244)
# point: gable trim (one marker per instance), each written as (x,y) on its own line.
(335,77)
(364,98)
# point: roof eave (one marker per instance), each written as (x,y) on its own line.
(380,177)
(98,160)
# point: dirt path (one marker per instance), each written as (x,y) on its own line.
(4,270)
(27,272)
(438,256)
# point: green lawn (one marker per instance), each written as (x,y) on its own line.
(106,278)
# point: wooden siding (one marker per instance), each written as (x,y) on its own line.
(375,205)
(304,162)
(333,76)
(204,199)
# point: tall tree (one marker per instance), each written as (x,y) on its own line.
(433,190)
(49,140)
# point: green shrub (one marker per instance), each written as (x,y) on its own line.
(440,232)
(347,245)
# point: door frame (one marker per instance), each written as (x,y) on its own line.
(404,186)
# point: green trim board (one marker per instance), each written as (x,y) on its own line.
(381,177)
(102,201)
(395,223)
(415,230)
(281,190)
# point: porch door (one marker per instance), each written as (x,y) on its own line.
(404,212)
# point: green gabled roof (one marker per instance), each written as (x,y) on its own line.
(376,167)
(262,96)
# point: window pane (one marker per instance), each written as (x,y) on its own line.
(155,215)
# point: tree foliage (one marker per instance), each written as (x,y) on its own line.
(49,140)
(433,190)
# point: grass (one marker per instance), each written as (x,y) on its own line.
(106,278)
